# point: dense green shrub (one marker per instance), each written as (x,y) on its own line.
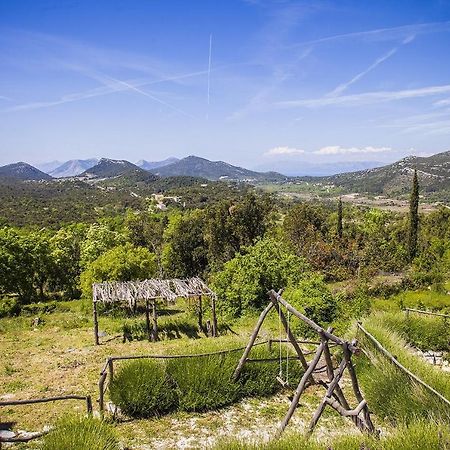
(205,383)
(312,298)
(9,306)
(144,389)
(243,283)
(81,433)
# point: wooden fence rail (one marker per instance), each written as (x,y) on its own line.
(86,398)
(407,372)
(108,368)
(429,313)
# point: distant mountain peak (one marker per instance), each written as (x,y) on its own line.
(150,165)
(197,166)
(73,167)
(23,171)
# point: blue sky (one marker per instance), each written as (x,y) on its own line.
(290,84)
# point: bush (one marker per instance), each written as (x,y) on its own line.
(9,306)
(144,389)
(205,383)
(243,283)
(81,433)
(312,298)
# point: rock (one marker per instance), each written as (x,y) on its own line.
(7,434)
(102,334)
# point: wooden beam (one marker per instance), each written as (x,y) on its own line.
(251,342)
(94,310)
(299,390)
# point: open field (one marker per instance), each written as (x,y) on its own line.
(58,357)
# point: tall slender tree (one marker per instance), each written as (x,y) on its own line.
(413,218)
(339,219)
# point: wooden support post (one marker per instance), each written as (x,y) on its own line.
(252,340)
(147,320)
(291,337)
(330,390)
(298,392)
(214,316)
(155,321)
(89,404)
(94,309)
(200,313)
(101,392)
(358,395)
(110,370)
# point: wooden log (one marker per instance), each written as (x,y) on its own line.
(89,404)
(429,313)
(200,313)
(155,321)
(28,438)
(394,361)
(357,391)
(338,391)
(251,342)
(41,400)
(94,311)
(277,297)
(191,355)
(101,392)
(110,370)
(214,316)
(345,412)
(299,390)
(330,390)
(290,336)
(147,320)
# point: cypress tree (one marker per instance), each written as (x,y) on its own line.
(413,218)
(339,219)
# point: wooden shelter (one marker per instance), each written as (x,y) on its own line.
(334,396)
(131,293)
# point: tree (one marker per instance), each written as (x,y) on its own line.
(243,283)
(185,252)
(339,219)
(99,239)
(65,247)
(122,263)
(413,218)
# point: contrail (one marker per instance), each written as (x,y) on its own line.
(209,73)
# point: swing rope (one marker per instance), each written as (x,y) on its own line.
(280,373)
(287,346)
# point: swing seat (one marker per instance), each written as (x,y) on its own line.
(282,382)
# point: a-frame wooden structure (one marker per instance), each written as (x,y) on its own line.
(334,396)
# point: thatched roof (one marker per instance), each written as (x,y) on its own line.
(133,291)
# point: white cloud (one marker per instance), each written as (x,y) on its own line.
(367,98)
(286,151)
(338,150)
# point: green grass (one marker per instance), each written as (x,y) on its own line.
(421,299)
(421,435)
(81,433)
(421,331)
(389,392)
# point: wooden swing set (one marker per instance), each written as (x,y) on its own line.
(334,396)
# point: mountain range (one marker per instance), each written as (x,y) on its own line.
(392,179)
